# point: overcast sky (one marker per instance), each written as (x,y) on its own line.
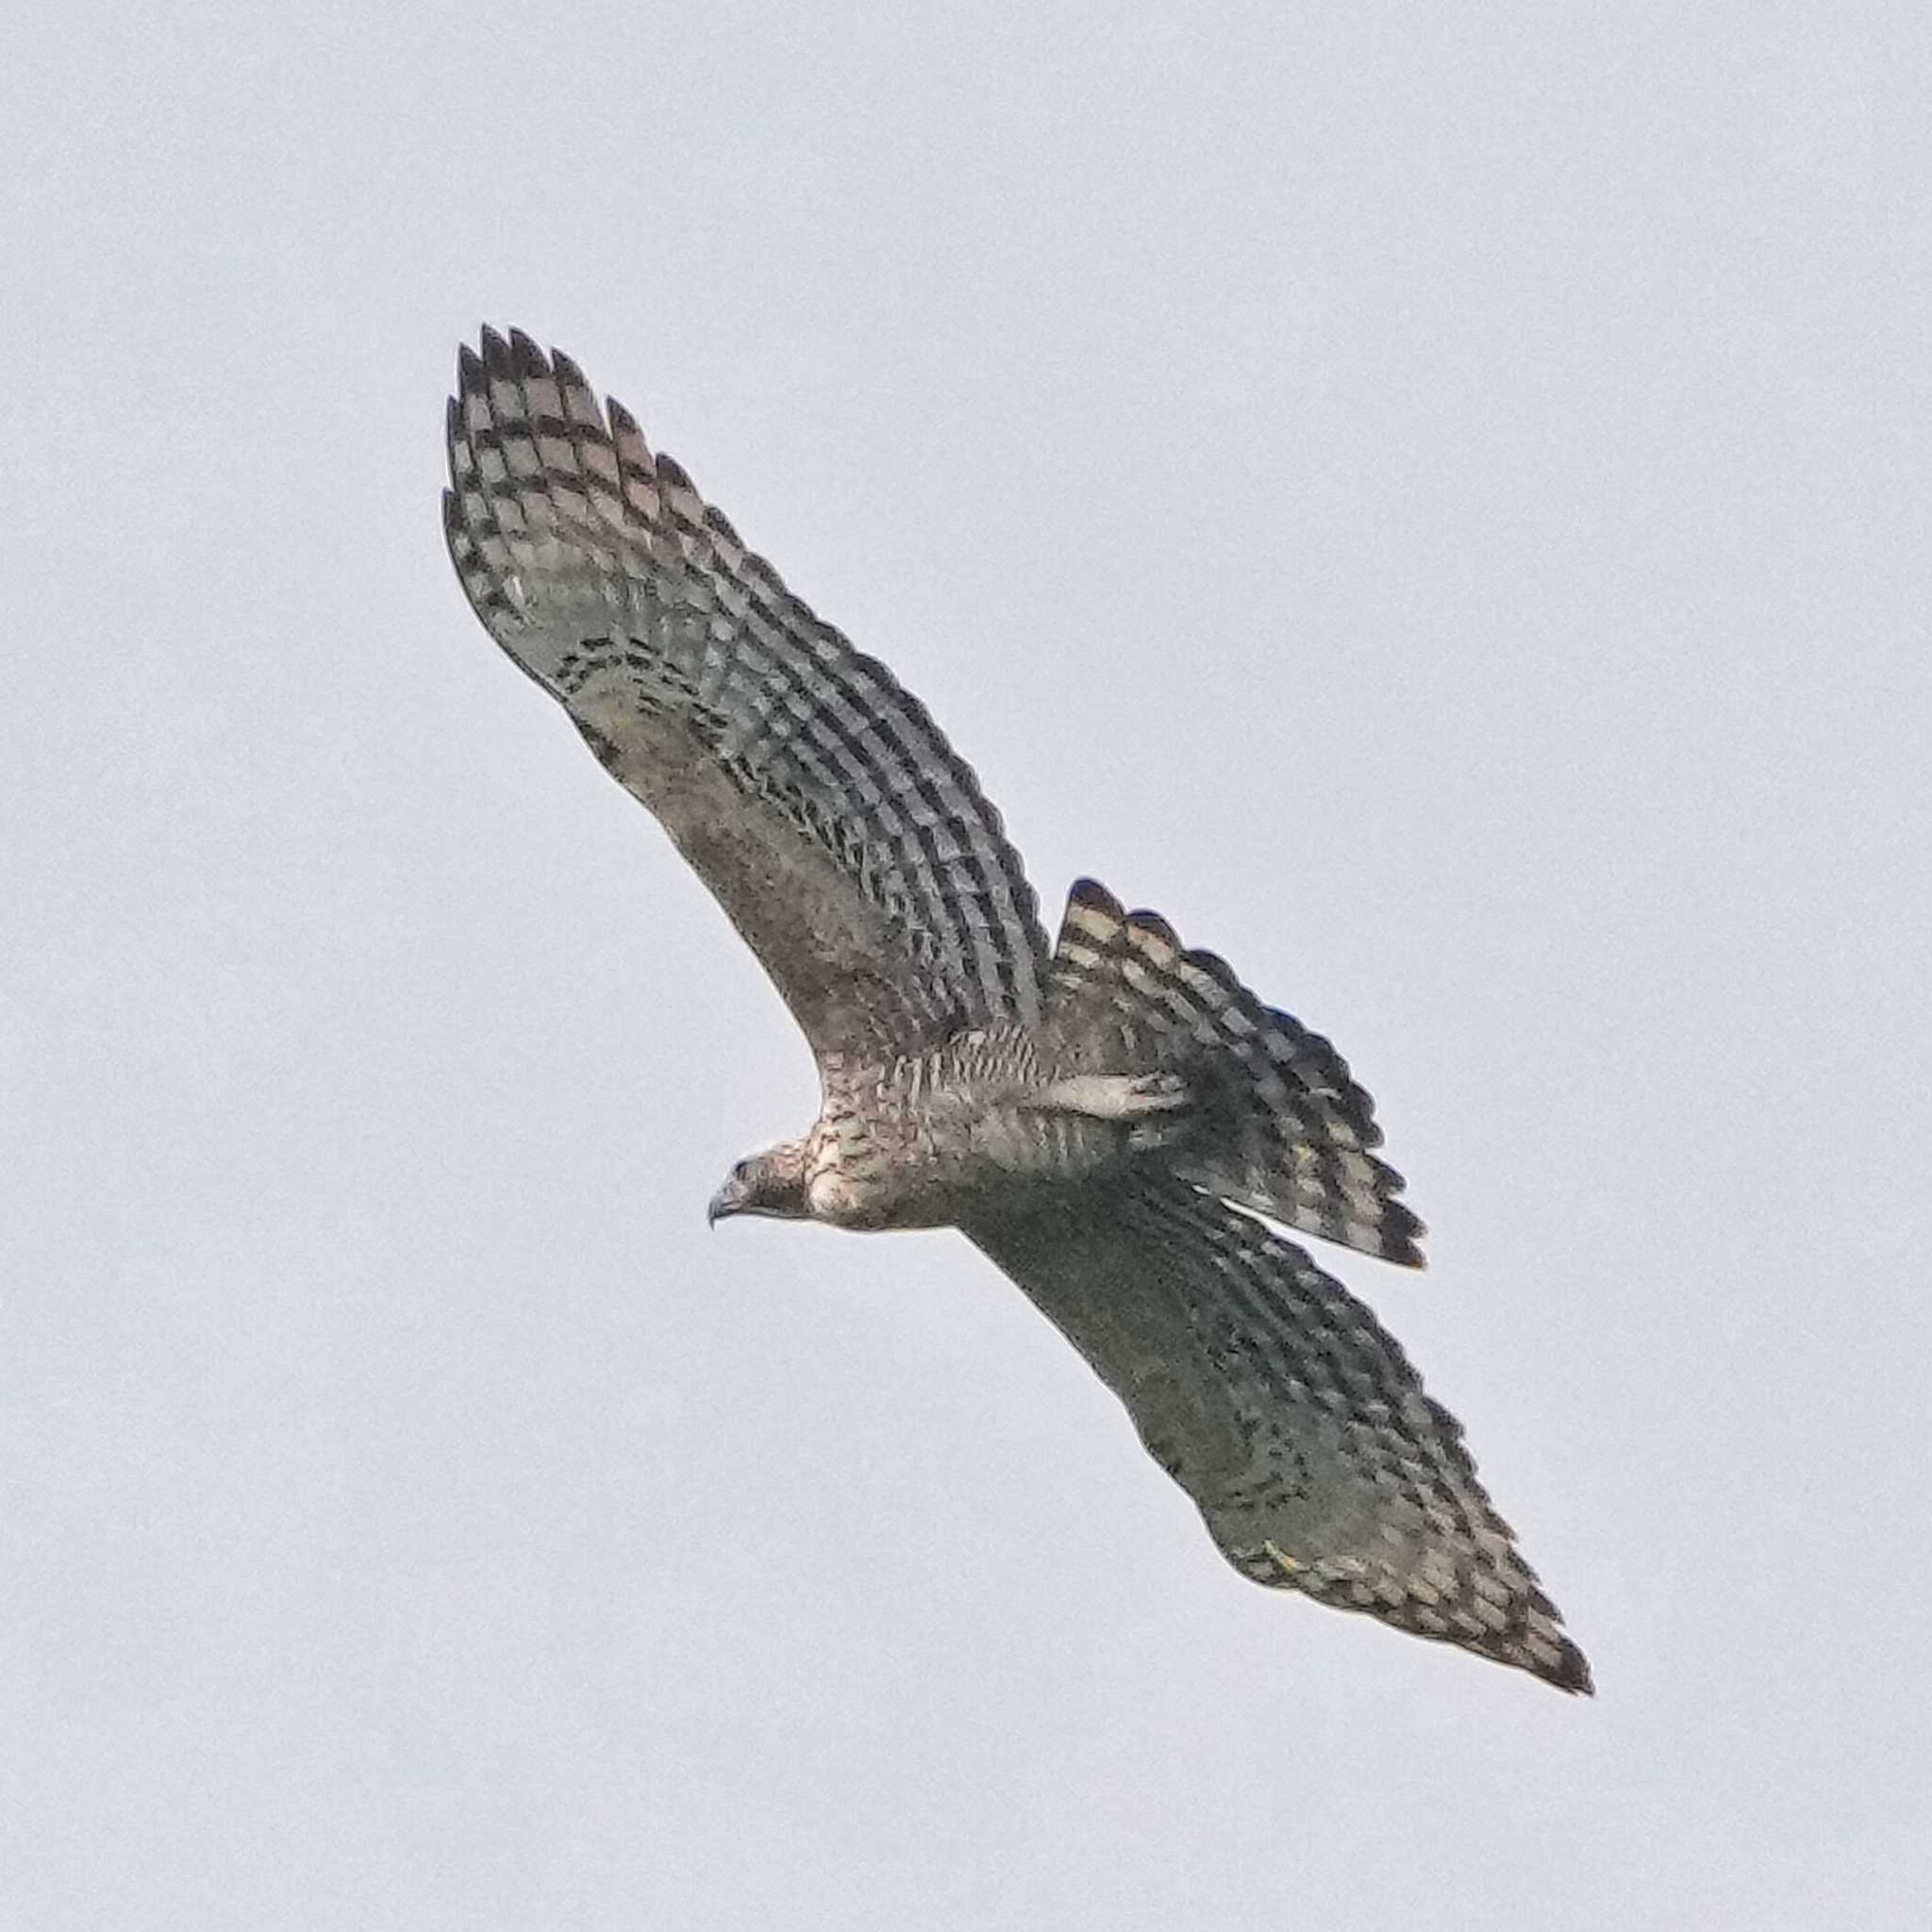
(1433,499)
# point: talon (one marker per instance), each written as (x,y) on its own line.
(1162,1092)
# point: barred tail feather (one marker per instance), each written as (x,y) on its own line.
(1280,1125)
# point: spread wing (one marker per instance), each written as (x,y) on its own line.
(818,801)
(1286,1412)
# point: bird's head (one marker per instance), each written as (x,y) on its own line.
(771,1182)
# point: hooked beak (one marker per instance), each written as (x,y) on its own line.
(722,1205)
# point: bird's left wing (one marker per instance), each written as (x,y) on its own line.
(1283,1408)
(844,839)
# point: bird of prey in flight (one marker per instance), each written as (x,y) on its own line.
(1114,1119)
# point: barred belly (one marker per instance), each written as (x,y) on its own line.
(911,1145)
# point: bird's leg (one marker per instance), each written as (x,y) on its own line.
(1112,1096)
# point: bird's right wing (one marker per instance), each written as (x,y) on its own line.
(844,839)
(1282,1407)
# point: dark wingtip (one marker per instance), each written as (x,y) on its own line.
(1218,969)
(1085,891)
(525,358)
(1571,1673)
(469,371)
(495,352)
(1145,919)
(1403,1229)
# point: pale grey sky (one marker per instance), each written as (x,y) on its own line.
(1435,500)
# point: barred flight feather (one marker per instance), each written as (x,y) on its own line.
(1280,1403)
(1286,1129)
(598,567)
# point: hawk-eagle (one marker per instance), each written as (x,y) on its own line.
(1107,1117)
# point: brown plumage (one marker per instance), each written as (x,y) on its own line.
(1095,1117)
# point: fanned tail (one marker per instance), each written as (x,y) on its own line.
(1277,1124)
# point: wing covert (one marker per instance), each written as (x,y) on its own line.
(844,839)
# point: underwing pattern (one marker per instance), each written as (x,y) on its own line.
(733,711)
(1109,1120)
